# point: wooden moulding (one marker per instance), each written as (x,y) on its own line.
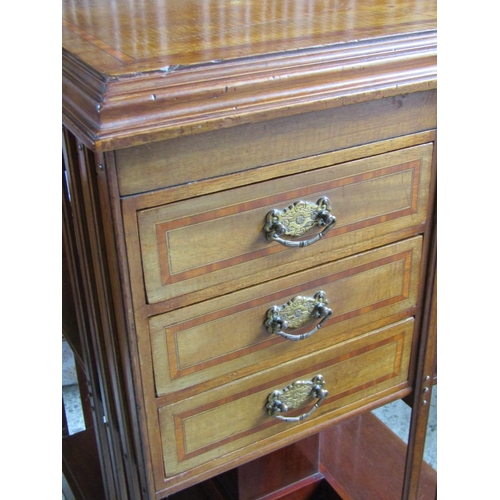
(132,109)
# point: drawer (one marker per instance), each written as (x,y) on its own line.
(195,249)
(244,147)
(199,347)
(220,425)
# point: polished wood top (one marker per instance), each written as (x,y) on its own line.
(136,71)
(125,36)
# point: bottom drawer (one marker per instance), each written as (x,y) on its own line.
(223,424)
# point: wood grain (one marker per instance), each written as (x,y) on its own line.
(423,383)
(238,149)
(206,427)
(220,182)
(144,76)
(122,38)
(373,196)
(302,462)
(364,460)
(183,115)
(199,347)
(83,231)
(80,465)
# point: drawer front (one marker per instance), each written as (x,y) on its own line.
(214,244)
(199,347)
(235,149)
(220,425)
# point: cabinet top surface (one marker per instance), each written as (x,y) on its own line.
(119,37)
(136,71)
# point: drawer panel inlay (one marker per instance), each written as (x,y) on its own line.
(204,345)
(204,428)
(207,244)
(249,232)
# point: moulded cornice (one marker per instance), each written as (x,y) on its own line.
(115,112)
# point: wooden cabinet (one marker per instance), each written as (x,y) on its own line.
(249,207)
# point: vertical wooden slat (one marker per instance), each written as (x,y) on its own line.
(423,385)
(126,330)
(93,298)
(115,416)
(72,228)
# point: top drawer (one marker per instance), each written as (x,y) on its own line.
(192,158)
(194,249)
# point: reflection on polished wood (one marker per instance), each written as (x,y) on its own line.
(120,36)
(137,72)
(185,123)
(363,459)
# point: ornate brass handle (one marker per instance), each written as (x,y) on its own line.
(296,313)
(294,396)
(298,218)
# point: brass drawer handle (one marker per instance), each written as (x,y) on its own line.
(294,396)
(296,313)
(298,218)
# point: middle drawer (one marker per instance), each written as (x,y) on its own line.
(215,342)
